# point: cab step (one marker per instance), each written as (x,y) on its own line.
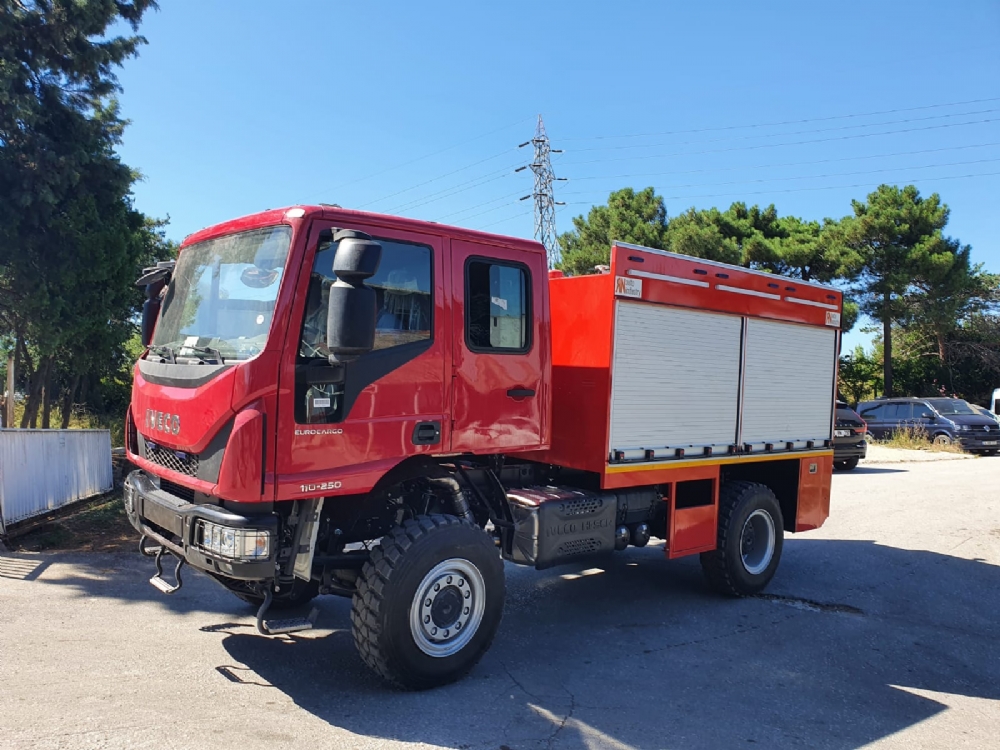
(280,627)
(162,584)
(291,624)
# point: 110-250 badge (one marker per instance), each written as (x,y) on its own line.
(320,486)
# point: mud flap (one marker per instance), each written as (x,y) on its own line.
(305,537)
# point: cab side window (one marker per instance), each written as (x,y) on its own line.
(404,304)
(404,311)
(497,306)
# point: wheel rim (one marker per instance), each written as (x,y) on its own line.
(942,440)
(448,607)
(757,542)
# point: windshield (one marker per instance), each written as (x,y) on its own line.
(221,298)
(946,406)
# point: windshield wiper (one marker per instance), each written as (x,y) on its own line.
(163,348)
(205,350)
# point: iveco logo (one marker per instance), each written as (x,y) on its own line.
(163,422)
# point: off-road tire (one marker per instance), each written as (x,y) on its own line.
(723,566)
(301,593)
(846,464)
(386,588)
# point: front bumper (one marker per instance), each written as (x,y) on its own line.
(172,522)
(974,443)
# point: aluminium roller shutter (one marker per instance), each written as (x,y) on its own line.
(675,377)
(788,393)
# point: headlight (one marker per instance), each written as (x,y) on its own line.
(248,545)
(962,427)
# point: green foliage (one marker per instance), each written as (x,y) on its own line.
(70,240)
(639,218)
(858,376)
(894,242)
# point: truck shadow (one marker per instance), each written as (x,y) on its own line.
(639,654)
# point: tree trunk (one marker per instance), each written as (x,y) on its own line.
(67,401)
(887,345)
(47,398)
(36,384)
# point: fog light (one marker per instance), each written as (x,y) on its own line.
(235,544)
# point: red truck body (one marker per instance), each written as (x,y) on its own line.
(567,416)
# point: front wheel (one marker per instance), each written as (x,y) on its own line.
(429,602)
(942,440)
(749,541)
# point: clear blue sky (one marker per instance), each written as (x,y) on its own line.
(417,108)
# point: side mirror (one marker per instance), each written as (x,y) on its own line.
(350,317)
(154,279)
(928,416)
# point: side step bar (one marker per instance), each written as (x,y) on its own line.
(280,627)
(159,581)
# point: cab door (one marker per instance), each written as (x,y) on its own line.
(340,430)
(500,349)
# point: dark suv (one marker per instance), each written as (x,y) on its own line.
(945,420)
(849,444)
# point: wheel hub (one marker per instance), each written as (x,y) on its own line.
(447,607)
(757,542)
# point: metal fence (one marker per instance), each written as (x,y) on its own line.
(41,470)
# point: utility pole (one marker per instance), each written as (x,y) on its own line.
(545,202)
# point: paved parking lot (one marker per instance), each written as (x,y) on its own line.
(882,628)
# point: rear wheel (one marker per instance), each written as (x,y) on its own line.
(846,464)
(749,541)
(429,602)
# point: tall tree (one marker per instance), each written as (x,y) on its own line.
(896,237)
(639,218)
(67,227)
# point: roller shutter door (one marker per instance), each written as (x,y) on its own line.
(675,377)
(788,393)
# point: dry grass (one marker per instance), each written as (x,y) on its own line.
(917,439)
(98,525)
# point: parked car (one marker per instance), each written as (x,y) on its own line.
(849,444)
(986,412)
(945,420)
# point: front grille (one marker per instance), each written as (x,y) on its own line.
(179,461)
(177,490)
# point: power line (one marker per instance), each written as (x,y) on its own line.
(455,189)
(783,122)
(479,205)
(421,158)
(786,164)
(818,176)
(435,179)
(794,132)
(790,143)
(805,189)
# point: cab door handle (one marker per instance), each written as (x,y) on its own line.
(521,392)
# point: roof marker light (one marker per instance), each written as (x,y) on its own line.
(295,213)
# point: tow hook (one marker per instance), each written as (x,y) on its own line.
(158,580)
(278,627)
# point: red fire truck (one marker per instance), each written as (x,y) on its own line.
(339,402)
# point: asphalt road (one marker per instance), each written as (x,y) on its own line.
(882,629)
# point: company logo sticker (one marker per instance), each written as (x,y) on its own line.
(628,287)
(833,318)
